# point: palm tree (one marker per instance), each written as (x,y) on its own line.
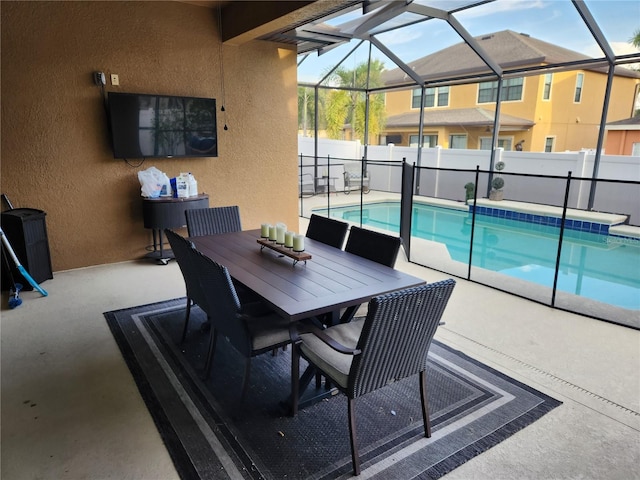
(307,109)
(635,40)
(349,106)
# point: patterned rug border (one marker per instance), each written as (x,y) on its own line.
(181,456)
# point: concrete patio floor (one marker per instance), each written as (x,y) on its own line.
(71,410)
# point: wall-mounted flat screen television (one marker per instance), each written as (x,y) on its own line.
(146,126)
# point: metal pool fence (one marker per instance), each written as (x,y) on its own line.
(585,224)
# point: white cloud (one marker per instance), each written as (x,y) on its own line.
(502,7)
(619,48)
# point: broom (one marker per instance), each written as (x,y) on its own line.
(14,291)
(21,269)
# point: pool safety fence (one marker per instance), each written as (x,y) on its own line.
(604,211)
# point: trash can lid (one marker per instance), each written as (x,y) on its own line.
(23,212)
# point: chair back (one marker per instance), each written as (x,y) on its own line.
(396,336)
(214,220)
(354,170)
(222,304)
(327,230)
(182,251)
(376,246)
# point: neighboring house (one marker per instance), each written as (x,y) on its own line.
(553,111)
(623,137)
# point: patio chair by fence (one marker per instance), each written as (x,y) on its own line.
(353,179)
(213,220)
(327,230)
(306,185)
(391,344)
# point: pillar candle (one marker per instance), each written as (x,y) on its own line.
(264,230)
(281,228)
(272,232)
(298,243)
(288,239)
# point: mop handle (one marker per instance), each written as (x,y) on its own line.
(21,269)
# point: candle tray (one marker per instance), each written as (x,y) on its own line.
(288,252)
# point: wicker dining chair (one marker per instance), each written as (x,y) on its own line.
(251,328)
(390,344)
(181,248)
(213,220)
(376,246)
(327,230)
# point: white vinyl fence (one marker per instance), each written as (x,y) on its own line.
(610,197)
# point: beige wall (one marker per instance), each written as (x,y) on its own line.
(620,142)
(55,150)
(574,125)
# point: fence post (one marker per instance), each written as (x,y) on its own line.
(582,200)
(473,223)
(406,196)
(564,217)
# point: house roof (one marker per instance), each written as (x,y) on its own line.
(632,123)
(468,117)
(507,48)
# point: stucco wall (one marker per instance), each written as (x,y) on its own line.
(55,147)
(620,142)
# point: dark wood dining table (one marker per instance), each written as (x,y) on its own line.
(330,281)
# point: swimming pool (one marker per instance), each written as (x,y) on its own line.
(605,268)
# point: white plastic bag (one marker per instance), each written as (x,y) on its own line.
(153,181)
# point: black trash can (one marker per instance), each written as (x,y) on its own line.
(26,230)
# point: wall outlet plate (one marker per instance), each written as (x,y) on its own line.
(99,78)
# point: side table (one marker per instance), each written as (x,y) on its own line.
(167,212)
(326,185)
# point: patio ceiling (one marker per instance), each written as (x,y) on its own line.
(344,26)
(379,24)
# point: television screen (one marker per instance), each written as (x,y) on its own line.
(162,126)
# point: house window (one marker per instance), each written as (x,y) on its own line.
(430,97)
(578,94)
(635,149)
(429,141)
(548,144)
(485,143)
(387,139)
(511,90)
(457,141)
(433,97)
(415,97)
(546,92)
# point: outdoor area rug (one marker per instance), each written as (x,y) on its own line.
(211,434)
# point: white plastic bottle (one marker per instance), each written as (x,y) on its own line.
(192,185)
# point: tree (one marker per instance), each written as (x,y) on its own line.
(635,40)
(349,106)
(307,109)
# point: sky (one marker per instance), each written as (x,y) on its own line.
(554,21)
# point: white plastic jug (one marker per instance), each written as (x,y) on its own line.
(192,186)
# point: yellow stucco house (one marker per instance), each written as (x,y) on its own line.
(553,111)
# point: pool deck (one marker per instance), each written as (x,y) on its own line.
(85,418)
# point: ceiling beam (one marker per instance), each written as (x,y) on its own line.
(248,20)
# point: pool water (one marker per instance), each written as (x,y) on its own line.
(594,266)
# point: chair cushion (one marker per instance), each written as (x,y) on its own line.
(267,332)
(335,364)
